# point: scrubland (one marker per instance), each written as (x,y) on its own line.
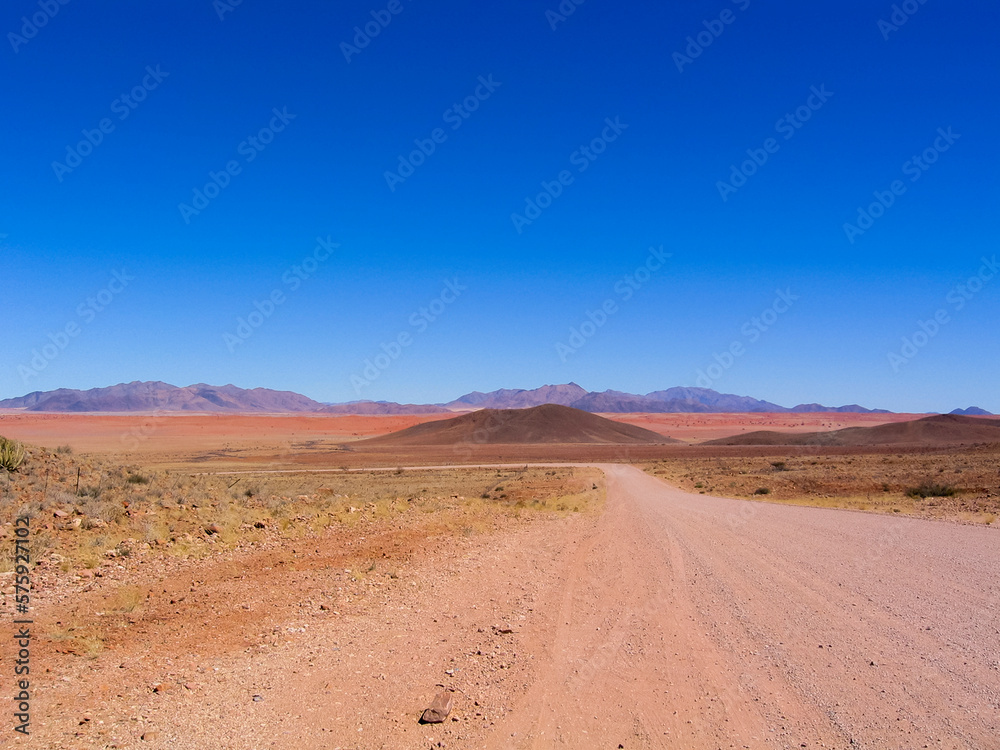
(88,509)
(956,484)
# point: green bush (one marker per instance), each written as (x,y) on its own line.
(11,454)
(762,491)
(928,489)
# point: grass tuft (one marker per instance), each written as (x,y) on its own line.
(929,489)
(11,454)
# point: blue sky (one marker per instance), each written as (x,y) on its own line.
(418,251)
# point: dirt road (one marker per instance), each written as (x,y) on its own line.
(689,621)
(670,621)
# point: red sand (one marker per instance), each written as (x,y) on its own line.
(126,433)
(119,433)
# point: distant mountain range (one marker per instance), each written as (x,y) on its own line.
(156,396)
(381,407)
(672,400)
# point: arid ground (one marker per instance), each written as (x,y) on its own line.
(623,601)
(152,434)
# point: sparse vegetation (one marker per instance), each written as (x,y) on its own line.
(929,489)
(12,454)
(126,599)
(126,510)
(905,482)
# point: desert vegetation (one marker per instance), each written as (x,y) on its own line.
(11,454)
(956,484)
(86,510)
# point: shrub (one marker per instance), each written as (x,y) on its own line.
(762,491)
(779,466)
(64,449)
(928,489)
(11,454)
(137,479)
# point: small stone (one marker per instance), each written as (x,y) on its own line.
(439,709)
(213,528)
(151,735)
(258,698)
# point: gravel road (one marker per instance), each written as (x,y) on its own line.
(691,621)
(670,620)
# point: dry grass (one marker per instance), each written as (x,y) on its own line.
(118,510)
(76,638)
(126,599)
(910,483)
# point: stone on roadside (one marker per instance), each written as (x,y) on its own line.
(439,709)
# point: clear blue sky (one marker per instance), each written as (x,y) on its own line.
(183,94)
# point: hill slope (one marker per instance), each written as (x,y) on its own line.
(549,423)
(940,429)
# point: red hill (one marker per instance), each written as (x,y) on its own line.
(549,423)
(940,429)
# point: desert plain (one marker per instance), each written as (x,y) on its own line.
(260,581)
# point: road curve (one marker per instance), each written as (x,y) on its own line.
(692,621)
